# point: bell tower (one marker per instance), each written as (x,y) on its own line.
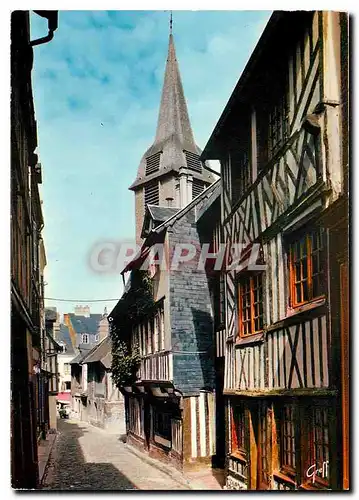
(170,172)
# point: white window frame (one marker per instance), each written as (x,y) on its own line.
(83,337)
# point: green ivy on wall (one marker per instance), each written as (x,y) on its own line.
(133,307)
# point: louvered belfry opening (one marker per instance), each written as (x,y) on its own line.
(193,161)
(197,188)
(152,193)
(153,163)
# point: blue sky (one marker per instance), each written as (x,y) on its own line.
(107,68)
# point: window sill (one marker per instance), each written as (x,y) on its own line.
(307,306)
(250,339)
(283,478)
(238,456)
(313,487)
(166,443)
(296,315)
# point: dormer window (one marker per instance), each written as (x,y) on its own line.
(152,193)
(84,338)
(153,163)
(193,161)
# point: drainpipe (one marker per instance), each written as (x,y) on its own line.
(52,23)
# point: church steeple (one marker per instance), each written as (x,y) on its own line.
(173,119)
(170,168)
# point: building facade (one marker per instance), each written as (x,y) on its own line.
(26,226)
(282,141)
(170,406)
(50,370)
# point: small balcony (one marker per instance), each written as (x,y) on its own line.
(157,366)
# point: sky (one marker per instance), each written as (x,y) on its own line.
(97,88)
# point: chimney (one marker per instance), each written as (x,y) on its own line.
(82,311)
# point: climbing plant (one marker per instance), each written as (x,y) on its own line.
(136,304)
(125,363)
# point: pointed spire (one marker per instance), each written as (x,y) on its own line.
(173,119)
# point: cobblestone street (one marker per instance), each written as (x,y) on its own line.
(87,458)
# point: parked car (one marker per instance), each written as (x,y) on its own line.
(64,410)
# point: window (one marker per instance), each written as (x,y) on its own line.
(318,444)
(240,159)
(287,440)
(152,193)
(306,268)
(197,188)
(67,386)
(238,430)
(84,338)
(153,163)
(278,126)
(263,447)
(156,332)
(149,331)
(162,329)
(250,305)
(219,302)
(66,368)
(97,337)
(304,441)
(162,424)
(241,172)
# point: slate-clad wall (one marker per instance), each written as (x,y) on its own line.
(191,315)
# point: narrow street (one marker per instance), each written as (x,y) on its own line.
(87,458)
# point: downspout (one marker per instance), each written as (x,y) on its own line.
(52,22)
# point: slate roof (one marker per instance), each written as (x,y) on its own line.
(160,214)
(63,335)
(174,132)
(84,324)
(205,202)
(80,357)
(102,352)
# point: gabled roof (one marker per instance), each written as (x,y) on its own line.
(80,357)
(160,214)
(155,215)
(101,353)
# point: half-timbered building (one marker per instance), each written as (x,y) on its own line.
(282,144)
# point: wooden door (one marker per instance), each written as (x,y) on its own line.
(263,448)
